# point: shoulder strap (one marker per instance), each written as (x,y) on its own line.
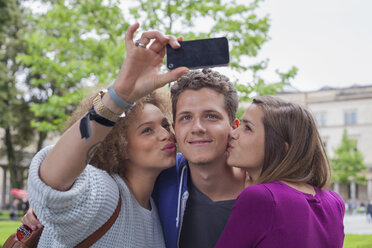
(94,237)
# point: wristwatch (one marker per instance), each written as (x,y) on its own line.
(103,111)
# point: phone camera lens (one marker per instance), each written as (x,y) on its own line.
(170,66)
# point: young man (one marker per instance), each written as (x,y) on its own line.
(196,196)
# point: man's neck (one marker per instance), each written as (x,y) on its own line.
(217,180)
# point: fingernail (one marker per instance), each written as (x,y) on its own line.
(39,225)
(178,44)
(33,227)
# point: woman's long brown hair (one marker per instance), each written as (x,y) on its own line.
(304,159)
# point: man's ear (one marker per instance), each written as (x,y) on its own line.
(235,124)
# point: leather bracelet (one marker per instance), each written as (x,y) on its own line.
(117,99)
(85,128)
(94,116)
(102,110)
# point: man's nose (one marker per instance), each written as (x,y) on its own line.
(197,126)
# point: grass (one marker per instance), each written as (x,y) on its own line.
(6,229)
(351,240)
(4,214)
(358,241)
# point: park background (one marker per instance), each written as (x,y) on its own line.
(51,51)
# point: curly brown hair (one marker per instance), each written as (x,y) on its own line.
(110,155)
(207,78)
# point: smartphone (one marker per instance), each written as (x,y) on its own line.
(199,53)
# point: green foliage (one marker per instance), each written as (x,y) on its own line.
(348,162)
(247,92)
(245,30)
(240,113)
(56,106)
(11,100)
(73,45)
(80,43)
(77,44)
(15,114)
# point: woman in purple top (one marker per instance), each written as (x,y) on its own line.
(279,146)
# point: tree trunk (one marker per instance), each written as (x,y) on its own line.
(16,177)
(40,142)
(3,194)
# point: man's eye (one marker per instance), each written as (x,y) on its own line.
(185,118)
(146,130)
(210,116)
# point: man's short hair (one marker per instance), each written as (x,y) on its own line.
(207,78)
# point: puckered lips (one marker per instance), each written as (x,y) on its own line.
(199,142)
(169,148)
(229,147)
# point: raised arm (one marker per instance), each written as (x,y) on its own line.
(138,76)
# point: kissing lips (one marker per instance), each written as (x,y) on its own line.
(169,148)
(229,147)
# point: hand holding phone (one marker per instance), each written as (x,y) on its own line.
(199,53)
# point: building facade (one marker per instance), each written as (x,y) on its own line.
(4,187)
(5,184)
(335,109)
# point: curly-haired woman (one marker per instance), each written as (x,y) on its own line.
(74,186)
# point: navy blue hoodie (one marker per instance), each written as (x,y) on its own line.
(170,195)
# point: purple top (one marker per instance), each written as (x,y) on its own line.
(277,215)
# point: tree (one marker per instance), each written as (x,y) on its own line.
(245,30)
(80,43)
(348,163)
(73,45)
(15,114)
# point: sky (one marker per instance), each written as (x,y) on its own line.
(329,41)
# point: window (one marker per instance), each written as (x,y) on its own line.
(350,189)
(350,117)
(325,143)
(320,119)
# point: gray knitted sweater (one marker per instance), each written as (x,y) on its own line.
(71,216)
